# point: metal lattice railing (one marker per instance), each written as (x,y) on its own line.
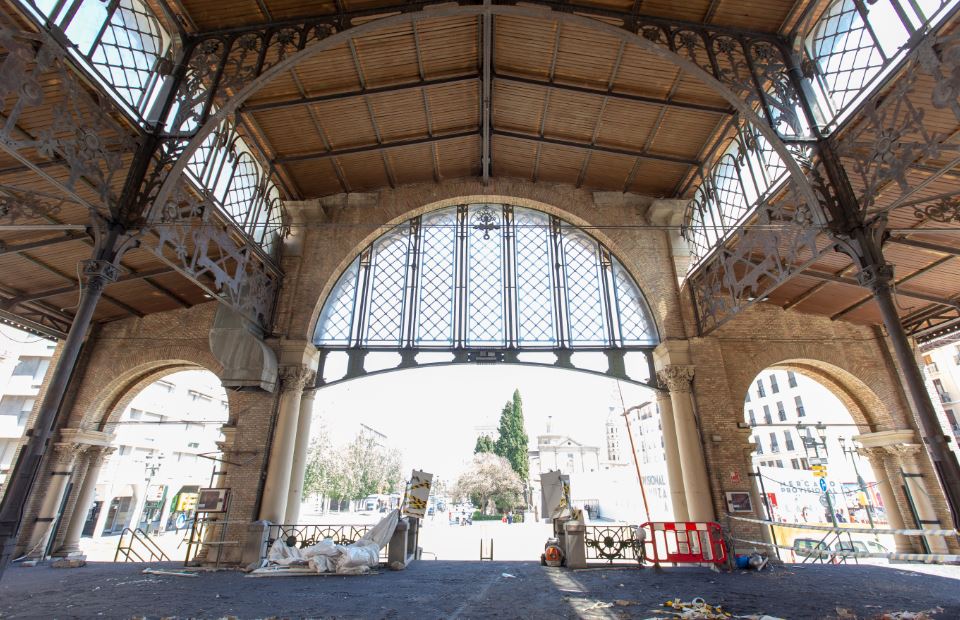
(306,535)
(613,543)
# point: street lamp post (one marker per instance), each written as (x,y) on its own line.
(807,443)
(853,452)
(151,468)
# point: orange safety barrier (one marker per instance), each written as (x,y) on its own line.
(689,542)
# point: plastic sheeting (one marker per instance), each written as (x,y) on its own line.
(328,557)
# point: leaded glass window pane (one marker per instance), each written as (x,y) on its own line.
(336,319)
(635,325)
(535,278)
(436,287)
(585,307)
(476,268)
(242,192)
(485,275)
(388,285)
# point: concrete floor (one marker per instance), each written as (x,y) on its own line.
(449,589)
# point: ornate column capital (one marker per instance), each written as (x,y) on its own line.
(98,455)
(65,453)
(295,378)
(676,377)
(99,273)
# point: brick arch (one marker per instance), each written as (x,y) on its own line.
(117,398)
(866,408)
(127,357)
(564,201)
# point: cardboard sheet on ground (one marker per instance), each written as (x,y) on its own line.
(329,557)
(555,495)
(417,495)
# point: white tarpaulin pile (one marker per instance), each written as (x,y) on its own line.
(329,557)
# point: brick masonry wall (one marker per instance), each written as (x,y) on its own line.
(122,358)
(853,361)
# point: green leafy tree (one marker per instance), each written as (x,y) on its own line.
(484,444)
(320,466)
(512,444)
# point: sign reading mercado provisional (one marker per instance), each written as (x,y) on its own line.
(418,492)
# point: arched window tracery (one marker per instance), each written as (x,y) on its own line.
(485,276)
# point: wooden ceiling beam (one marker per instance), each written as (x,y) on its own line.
(611,94)
(427,115)
(926,245)
(33,245)
(594,147)
(943,301)
(802,297)
(487,94)
(550,83)
(133,275)
(362,92)
(318,127)
(375,147)
(180,301)
(906,278)
(125,307)
(546,100)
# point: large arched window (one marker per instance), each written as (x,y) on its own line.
(485,276)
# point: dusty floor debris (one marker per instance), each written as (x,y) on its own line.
(468,590)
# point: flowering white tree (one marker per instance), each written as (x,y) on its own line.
(490,480)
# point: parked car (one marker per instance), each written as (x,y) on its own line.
(804,546)
(862,546)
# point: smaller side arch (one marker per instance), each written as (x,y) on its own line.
(866,408)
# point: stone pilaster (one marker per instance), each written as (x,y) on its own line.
(63,459)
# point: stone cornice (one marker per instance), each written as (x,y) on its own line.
(86,437)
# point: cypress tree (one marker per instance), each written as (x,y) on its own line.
(484,444)
(512,443)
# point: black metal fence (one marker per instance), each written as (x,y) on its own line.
(613,543)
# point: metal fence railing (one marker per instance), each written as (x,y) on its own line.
(613,543)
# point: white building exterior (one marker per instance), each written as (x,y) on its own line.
(942,370)
(24,360)
(159,440)
(784,408)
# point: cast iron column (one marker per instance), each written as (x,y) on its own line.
(97,273)
(877,278)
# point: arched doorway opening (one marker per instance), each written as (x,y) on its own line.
(163,450)
(435,420)
(809,465)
